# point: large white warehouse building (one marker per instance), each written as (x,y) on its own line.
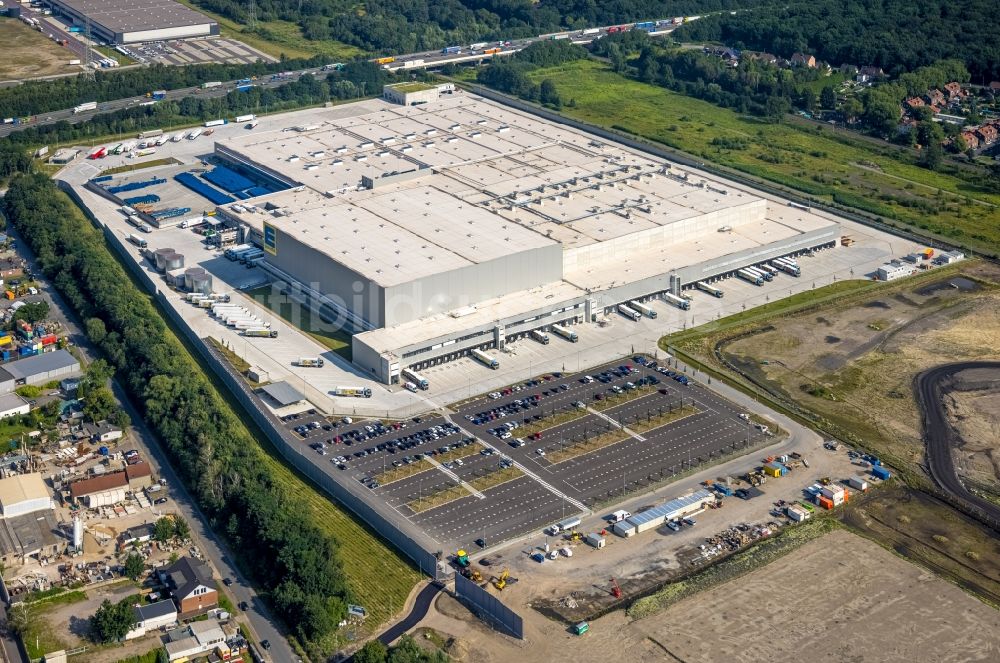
(134,21)
(435,229)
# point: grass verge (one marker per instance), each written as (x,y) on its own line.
(551,421)
(734,566)
(457,492)
(590,444)
(301,317)
(128,168)
(35,630)
(663,419)
(614,400)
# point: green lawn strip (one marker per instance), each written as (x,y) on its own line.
(300,316)
(549,421)
(808,159)
(457,491)
(585,447)
(613,400)
(128,168)
(645,425)
(734,566)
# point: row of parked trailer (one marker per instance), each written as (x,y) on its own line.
(246,254)
(232,315)
(768,270)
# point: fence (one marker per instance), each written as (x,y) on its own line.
(489,608)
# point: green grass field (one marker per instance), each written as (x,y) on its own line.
(850,171)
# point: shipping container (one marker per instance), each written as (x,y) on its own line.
(880,473)
(216,123)
(858,482)
(246,118)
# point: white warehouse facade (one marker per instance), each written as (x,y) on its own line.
(461,224)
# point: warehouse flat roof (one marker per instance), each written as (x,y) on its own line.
(669,509)
(136,15)
(43,363)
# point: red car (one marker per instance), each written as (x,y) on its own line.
(536,436)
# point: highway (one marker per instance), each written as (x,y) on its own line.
(940,436)
(421,60)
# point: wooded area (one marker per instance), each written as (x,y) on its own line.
(296,565)
(405,26)
(897,35)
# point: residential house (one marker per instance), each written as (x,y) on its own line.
(848,70)
(151,617)
(954,90)
(971,139)
(138,534)
(102,432)
(914,102)
(803,60)
(766,58)
(987,134)
(190,584)
(936,98)
(871,72)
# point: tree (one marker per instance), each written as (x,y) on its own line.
(373,651)
(181,528)
(828,98)
(32,312)
(807,99)
(134,566)
(112,621)
(164,529)
(99,404)
(932,155)
(547,93)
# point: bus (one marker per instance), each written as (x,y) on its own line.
(416,378)
(485,359)
(679,302)
(749,276)
(710,289)
(642,308)
(570,336)
(629,313)
(540,336)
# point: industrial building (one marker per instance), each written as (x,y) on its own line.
(133,21)
(456,224)
(38,369)
(12,405)
(23,494)
(893,270)
(658,515)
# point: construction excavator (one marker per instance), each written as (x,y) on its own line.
(616,590)
(501,582)
(472,574)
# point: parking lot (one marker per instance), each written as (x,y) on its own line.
(428,469)
(198,51)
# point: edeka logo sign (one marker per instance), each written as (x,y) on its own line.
(270,239)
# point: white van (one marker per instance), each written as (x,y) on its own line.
(411,387)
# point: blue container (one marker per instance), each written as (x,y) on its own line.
(880,473)
(104,451)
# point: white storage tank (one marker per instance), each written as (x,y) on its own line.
(173,261)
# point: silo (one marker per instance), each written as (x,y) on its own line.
(160,258)
(198,280)
(174,261)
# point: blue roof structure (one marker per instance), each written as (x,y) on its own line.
(202,189)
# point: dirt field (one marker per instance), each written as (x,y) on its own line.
(853,362)
(840,598)
(29,54)
(974,408)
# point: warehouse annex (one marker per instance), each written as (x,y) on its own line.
(457,224)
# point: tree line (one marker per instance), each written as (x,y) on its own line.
(511,74)
(406,26)
(306,90)
(897,35)
(37,97)
(294,562)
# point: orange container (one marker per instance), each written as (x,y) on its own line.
(825,502)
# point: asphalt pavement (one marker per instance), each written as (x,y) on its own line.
(940,436)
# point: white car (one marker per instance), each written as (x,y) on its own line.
(540,452)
